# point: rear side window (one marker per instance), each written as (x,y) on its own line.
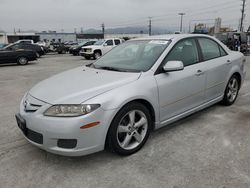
(117,42)
(209,48)
(109,42)
(185,51)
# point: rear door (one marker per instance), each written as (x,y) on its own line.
(216,64)
(183,90)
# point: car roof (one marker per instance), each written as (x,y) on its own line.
(171,37)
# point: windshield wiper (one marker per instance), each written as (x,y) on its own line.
(111,69)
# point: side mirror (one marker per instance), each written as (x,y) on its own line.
(105,44)
(172,66)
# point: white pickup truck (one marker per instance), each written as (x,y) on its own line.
(100,48)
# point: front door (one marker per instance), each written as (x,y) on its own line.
(183,90)
(109,44)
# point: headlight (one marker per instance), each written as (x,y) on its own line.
(70,110)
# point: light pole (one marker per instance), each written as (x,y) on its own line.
(181,14)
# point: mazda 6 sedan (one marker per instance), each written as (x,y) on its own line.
(139,86)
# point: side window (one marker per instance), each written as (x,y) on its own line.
(209,48)
(109,42)
(222,51)
(185,51)
(117,42)
(16,46)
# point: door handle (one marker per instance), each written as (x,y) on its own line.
(229,62)
(199,72)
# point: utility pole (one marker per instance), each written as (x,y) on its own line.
(150,26)
(103,29)
(181,14)
(242,15)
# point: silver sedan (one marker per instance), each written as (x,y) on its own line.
(137,87)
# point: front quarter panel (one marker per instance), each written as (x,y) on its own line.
(144,88)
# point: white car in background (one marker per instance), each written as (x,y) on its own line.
(100,48)
(26,41)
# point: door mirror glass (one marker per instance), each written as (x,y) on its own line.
(171,66)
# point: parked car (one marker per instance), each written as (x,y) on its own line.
(36,48)
(100,48)
(61,48)
(141,85)
(21,57)
(75,50)
(234,40)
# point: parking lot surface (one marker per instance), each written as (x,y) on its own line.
(208,149)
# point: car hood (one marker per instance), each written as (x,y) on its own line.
(80,84)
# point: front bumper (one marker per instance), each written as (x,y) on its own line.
(86,54)
(54,130)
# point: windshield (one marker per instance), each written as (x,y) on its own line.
(99,42)
(134,56)
(10,45)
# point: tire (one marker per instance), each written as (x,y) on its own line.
(22,61)
(87,57)
(231,91)
(127,136)
(97,55)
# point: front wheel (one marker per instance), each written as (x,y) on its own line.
(231,91)
(97,55)
(129,129)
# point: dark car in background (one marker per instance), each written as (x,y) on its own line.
(75,50)
(234,40)
(21,57)
(39,51)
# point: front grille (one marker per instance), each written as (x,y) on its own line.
(32,104)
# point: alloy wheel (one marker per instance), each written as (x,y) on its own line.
(232,90)
(132,129)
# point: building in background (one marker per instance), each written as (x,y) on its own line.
(7,38)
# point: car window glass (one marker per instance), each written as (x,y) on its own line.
(109,42)
(209,49)
(222,52)
(117,42)
(185,51)
(134,55)
(16,46)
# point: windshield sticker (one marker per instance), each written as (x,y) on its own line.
(162,42)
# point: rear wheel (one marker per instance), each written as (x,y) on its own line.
(37,54)
(129,129)
(231,91)
(22,61)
